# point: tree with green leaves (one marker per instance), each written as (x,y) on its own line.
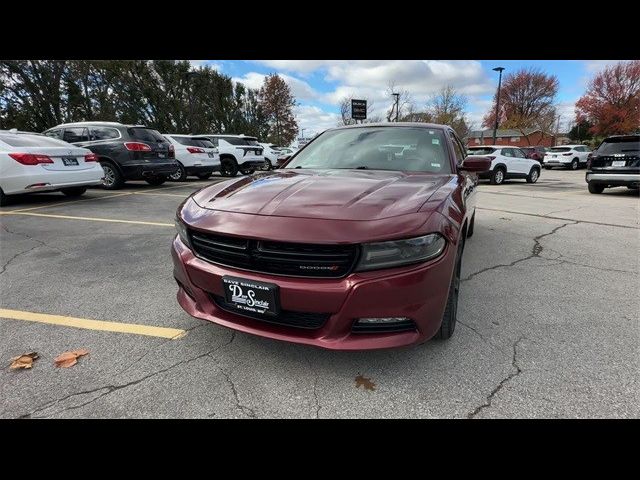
(277,104)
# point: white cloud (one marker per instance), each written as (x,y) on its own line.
(299,88)
(594,66)
(195,64)
(566,110)
(297,66)
(314,119)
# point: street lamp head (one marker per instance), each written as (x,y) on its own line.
(498,69)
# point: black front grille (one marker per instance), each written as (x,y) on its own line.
(280,258)
(403,326)
(288,318)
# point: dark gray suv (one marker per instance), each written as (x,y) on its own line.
(126,152)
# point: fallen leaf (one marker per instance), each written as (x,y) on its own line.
(23,361)
(365,382)
(69,359)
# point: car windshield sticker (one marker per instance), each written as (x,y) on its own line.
(435,141)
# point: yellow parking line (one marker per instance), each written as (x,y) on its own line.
(91,219)
(163,194)
(136,329)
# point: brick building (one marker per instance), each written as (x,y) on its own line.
(527,137)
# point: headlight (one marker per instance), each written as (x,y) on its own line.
(400,252)
(182,232)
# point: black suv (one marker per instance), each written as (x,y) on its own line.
(126,152)
(615,163)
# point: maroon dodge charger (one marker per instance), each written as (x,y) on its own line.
(355,244)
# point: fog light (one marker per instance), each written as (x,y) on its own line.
(383,320)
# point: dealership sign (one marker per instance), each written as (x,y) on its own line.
(359,109)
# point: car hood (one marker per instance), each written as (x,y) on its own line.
(325,194)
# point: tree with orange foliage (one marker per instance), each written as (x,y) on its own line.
(526,101)
(612,100)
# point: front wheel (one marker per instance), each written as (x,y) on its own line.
(574,164)
(595,188)
(156,181)
(74,191)
(497,177)
(547,167)
(533,176)
(180,175)
(450,316)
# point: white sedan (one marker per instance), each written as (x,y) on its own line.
(567,156)
(30,162)
(195,155)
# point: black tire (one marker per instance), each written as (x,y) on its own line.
(546,167)
(497,176)
(266,166)
(74,191)
(450,317)
(113,179)
(156,181)
(596,187)
(630,187)
(574,164)
(180,175)
(471,225)
(3,199)
(204,176)
(534,175)
(247,171)
(228,167)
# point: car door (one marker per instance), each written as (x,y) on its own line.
(583,153)
(508,159)
(521,162)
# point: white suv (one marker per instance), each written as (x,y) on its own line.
(195,155)
(567,156)
(506,163)
(237,153)
(271,153)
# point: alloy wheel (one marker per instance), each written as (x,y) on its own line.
(109,176)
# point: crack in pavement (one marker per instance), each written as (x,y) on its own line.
(503,382)
(248,411)
(535,252)
(33,239)
(109,388)
(315,386)
(482,337)
(558,218)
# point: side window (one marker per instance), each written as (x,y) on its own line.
(457,149)
(214,141)
(507,152)
(54,134)
(102,133)
(74,135)
(519,153)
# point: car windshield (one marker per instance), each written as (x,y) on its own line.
(481,151)
(620,146)
(411,149)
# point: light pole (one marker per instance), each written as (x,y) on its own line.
(495,127)
(397,95)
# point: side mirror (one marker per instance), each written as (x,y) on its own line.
(475,163)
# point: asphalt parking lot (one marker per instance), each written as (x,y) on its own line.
(548,318)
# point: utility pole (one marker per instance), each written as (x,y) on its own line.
(495,127)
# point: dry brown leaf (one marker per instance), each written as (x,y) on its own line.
(69,359)
(23,361)
(365,382)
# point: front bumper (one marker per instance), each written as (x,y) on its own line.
(416,292)
(613,179)
(140,171)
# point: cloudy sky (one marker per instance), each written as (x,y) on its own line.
(320,84)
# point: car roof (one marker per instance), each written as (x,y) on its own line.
(570,146)
(98,123)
